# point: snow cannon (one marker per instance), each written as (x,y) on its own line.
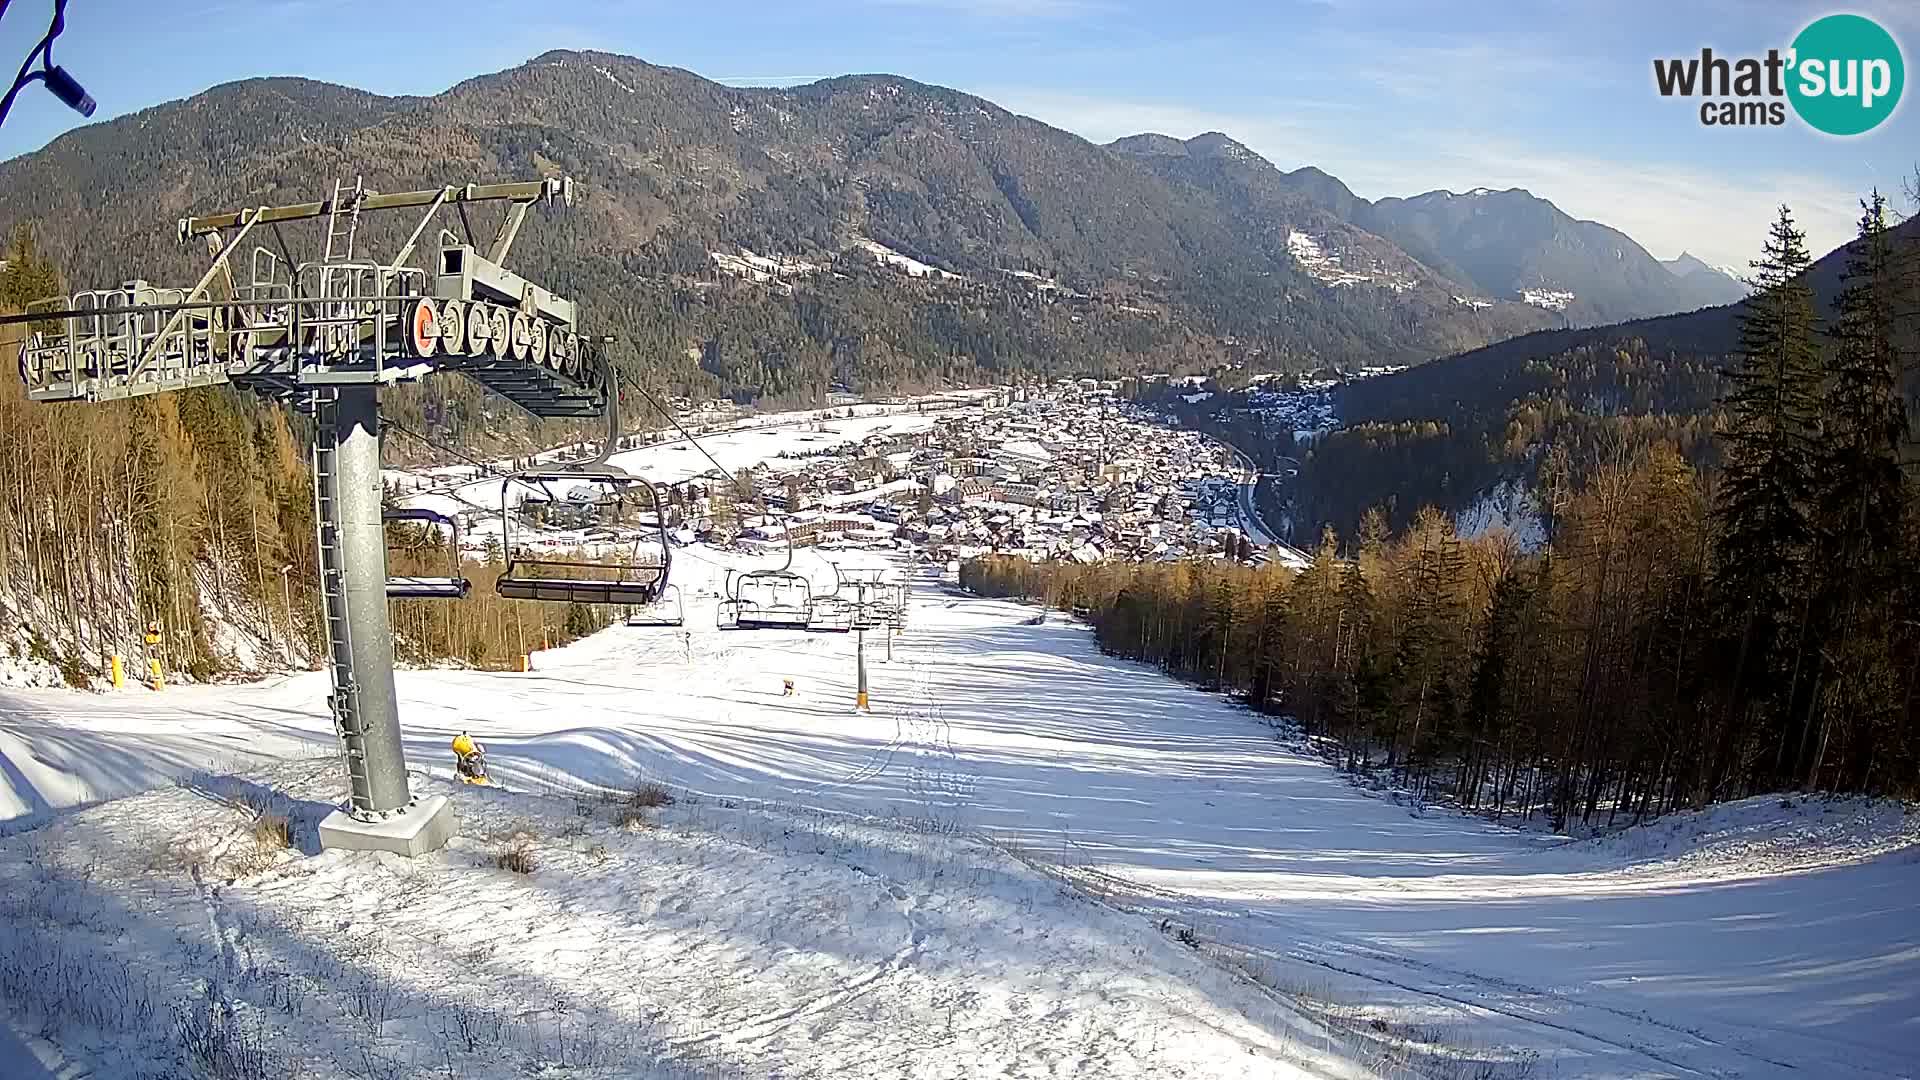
(469,760)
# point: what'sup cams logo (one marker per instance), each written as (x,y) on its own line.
(1842,75)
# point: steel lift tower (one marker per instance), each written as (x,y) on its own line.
(325,335)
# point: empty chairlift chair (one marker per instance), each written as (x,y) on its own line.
(830,615)
(890,604)
(638,580)
(451,587)
(669,610)
(767,600)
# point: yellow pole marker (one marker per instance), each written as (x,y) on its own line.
(153,657)
(119,674)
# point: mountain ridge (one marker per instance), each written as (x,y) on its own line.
(1500,244)
(1446,431)
(1061,256)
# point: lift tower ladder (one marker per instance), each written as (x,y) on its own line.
(327,335)
(343,701)
(340,237)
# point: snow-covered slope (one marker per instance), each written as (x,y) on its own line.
(1509,505)
(1413,936)
(693,940)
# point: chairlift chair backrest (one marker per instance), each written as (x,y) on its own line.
(451,587)
(669,610)
(638,581)
(766,599)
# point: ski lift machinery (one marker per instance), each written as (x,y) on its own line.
(880,604)
(329,333)
(639,581)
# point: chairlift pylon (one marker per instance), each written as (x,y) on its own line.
(451,587)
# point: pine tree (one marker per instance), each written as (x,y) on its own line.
(1860,502)
(28,275)
(1762,502)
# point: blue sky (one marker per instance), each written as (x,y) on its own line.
(1395,96)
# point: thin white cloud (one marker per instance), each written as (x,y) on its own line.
(1722,218)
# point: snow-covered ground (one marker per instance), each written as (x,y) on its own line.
(663,463)
(1333,269)
(915,268)
(757,925)
(1551,299)
(1509,505)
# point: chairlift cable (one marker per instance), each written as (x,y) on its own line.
(785,533)
(56,78)
(675,421)
(489,470)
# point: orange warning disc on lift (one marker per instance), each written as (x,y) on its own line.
(423,333)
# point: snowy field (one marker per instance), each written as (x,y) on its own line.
(448,491)
(837,894)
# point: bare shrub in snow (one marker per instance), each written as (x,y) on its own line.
(54,982)
(222,1044)
(373,1000)
(371,1063)
(516,855)
(273,832)
(649,794)
(518,831)
(631,818)
(190,855)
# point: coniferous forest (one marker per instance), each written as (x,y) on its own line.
(1686,636)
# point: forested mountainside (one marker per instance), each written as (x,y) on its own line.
(1443,433)
(867,231)
(1682,635)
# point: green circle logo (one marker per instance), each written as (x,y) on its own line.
(1846,74)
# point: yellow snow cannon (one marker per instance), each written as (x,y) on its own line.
(469,760)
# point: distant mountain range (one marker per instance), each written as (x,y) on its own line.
(1448,432)
(1725,280)
(1498,245)
(866,231)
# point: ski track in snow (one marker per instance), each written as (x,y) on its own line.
(1761,943)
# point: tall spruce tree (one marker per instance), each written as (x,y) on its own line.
(26,275)
(1762,503)
(1860,500)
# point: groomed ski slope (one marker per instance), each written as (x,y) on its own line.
(1752,940)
